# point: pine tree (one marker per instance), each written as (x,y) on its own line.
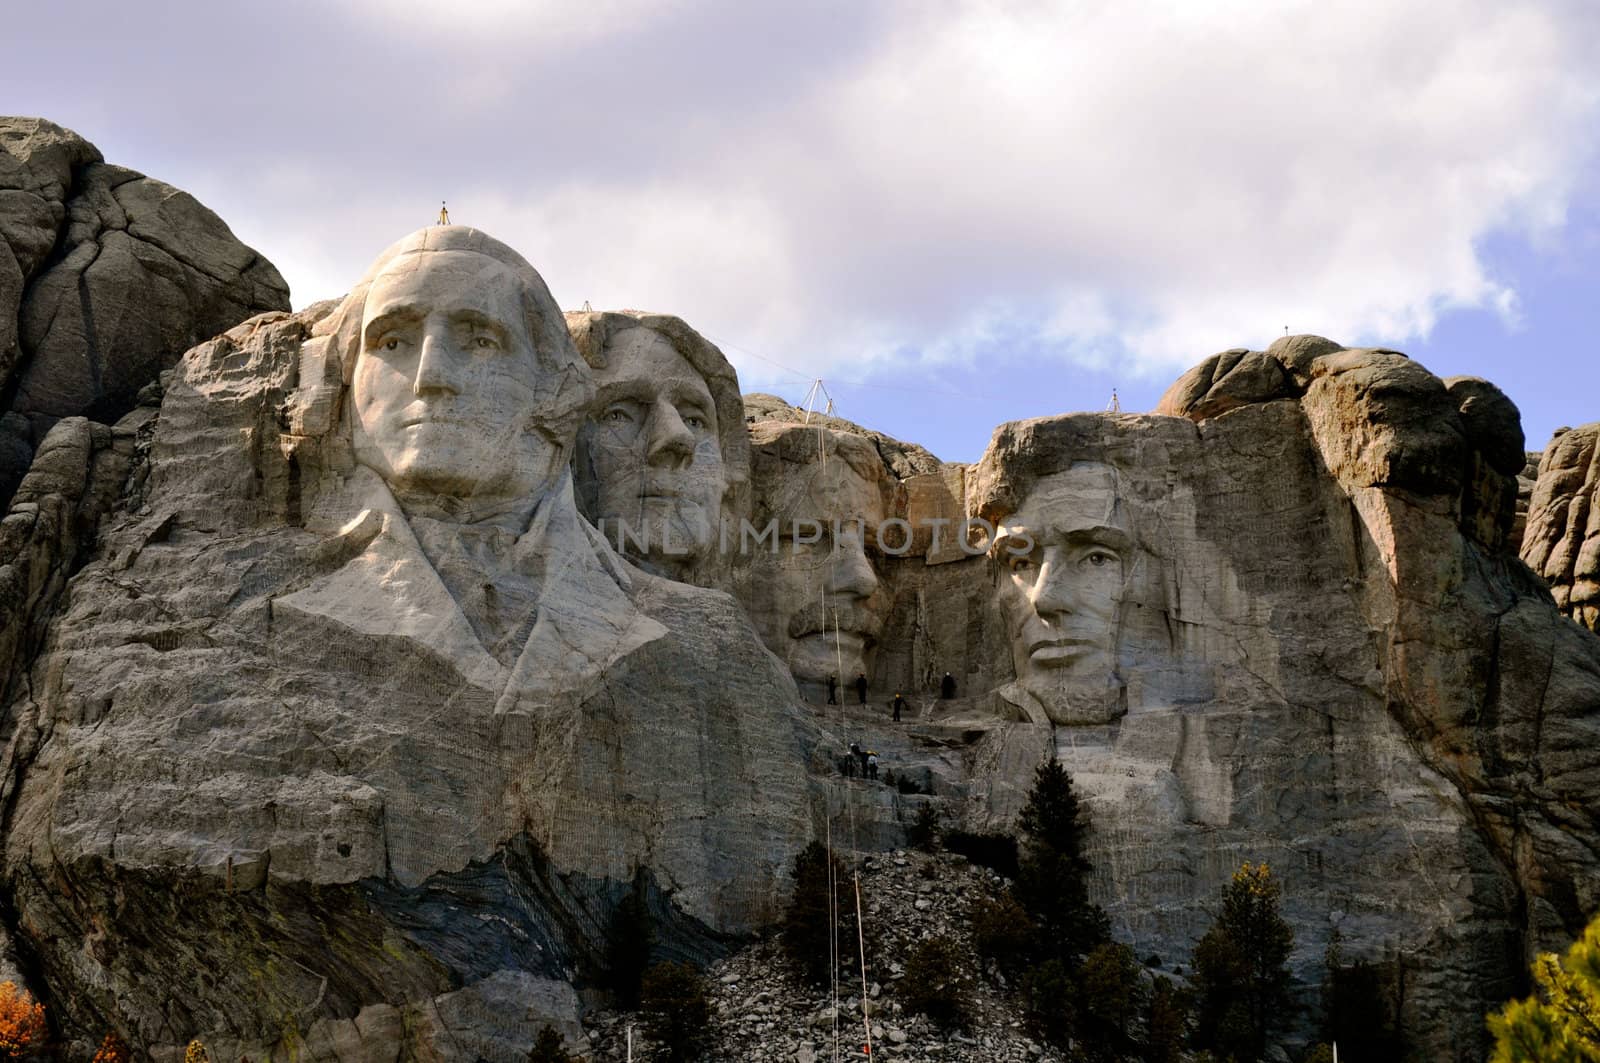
(677,1011)
(1110,999)
(548,1048)
(1560,1023)
(813,929)
(1053,879)
(628,940)
(1357,1013)
(1241,979)
(1166,1023)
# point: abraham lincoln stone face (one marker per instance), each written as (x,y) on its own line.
(1063,559)
(444,387)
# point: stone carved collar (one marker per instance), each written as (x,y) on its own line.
(586,618)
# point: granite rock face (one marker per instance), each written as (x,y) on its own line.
(1561,541)
(106,278)
(263,726)
(334,731)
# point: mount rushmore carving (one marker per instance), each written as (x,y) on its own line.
(360,673)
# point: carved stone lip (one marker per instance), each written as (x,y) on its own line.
(428,418)
(1060,646)
(847,637)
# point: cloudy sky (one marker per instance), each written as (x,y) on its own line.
(954,213)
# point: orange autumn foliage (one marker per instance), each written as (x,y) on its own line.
(112,1050)
(21,1022)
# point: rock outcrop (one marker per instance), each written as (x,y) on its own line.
(334,732)
(106,278)
(262,785)
(1562,539)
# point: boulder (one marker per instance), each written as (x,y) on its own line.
(1562,539)
(106,278)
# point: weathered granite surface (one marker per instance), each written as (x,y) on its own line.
(106,277)
(333,731)
(1561,541)
(263,785)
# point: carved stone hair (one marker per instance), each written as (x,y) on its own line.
(564,387)
(776,447)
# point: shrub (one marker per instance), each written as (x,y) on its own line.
(1002,932)
(1049,1000)
(1359,1018)
(924,830)
(548,1048)
(677,1012)
(1166,1023)
(935,985)
(22,1029)
(1110,997)
(628,939)
(112,1050)
(996,851)
(816,932)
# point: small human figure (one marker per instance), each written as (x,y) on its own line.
(862,755)
(872,766)
(833,690)
(947,687)
(861,687)
(897,704)
(850,761)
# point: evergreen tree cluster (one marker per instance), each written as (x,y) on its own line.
(1081,989)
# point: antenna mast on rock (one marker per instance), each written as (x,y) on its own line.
(444,214)
(1115,405)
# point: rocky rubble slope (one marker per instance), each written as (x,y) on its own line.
(762,1014)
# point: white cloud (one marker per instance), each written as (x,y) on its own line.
(1102,181)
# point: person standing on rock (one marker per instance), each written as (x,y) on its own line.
(947,687)
(861,687)
(872,766)
(833,690)
(898,704)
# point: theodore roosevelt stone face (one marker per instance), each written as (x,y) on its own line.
(653,447)
(816,599)
(1063,557)
(443,388)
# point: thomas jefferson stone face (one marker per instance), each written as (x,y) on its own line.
(822,608)
(1062,595)
(652,445)
(443,387)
